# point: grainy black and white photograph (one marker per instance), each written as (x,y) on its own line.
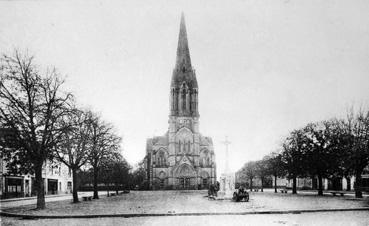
(173,112)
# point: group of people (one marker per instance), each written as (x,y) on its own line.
(213,190)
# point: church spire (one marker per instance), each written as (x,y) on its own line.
(183,61)
(184,89)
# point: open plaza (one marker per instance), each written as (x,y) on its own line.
(183,207)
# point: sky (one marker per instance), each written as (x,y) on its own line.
(264,67)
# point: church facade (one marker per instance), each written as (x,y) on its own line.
(182,158)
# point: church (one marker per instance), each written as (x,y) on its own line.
(182,158)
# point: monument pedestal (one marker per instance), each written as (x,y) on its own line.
(227,186)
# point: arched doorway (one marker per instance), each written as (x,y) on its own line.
(184,183)
(186,177)
(205,180)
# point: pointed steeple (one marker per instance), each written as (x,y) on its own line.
(183,61)
(183,87)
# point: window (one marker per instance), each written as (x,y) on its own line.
(69,186)
(14,185)
(202,162)
(14,188)
(205,158)
(205,182)
(207,161)
(161,159)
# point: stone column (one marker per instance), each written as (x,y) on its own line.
(195,107)
(151,173)
(175,101)
(187,101)
(180,102)
(171,101)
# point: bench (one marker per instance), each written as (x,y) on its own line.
(256,190)
(112,194)
(87,198)
(337,192)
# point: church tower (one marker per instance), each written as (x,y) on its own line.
(182,158)
(183,101)
(183,87)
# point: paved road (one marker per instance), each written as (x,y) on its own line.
(358,218)
(50,198)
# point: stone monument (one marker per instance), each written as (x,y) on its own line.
(227,178)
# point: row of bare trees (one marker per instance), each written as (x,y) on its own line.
(114,174)
(43,123)
(87,141)
(336,148)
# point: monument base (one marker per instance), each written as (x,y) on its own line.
(227,186)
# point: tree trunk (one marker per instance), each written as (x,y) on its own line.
(320,182)
(40,188)
(294,190)
(96,193)
(275,183)
(250,184)
(75,186)
(117,189)
(358,192)
(262,183)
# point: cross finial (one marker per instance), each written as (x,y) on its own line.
(226,142)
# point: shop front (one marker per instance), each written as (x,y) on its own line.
(13,187)
(52,186)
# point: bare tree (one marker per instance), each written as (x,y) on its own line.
(31,103)
(114,170)
(75,146)
(121,174)
(261,170)
(275,167)
(357,132)
(247,172)
(139,175)
(322,155)
(293,156)
(105,142)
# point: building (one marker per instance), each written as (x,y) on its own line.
(334,183)
(182,158)
(56,176)
(307,183)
